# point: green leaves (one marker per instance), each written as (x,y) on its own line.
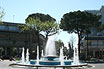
(41,22)
(34,24)
(79,21)
(50,27)
(42,17)
(101,27)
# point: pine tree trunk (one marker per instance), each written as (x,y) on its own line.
(87,47)
(39,43)
(46,37)
(79,46)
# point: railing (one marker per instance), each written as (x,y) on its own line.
(95,44)
(9,28)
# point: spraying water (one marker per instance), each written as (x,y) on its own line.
(27,56)
(61,56)
(37,63)
(75,47)
(50,49)
(42,53)
(23,56)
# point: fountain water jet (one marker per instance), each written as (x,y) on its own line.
(27,57)
(61,56)
(37,61)
(75,47)
(23,56)
(50,49)
(42,53)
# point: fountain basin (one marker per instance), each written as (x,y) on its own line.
(50,58)
(30,65)
(41,62)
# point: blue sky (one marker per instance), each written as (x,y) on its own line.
(20,9)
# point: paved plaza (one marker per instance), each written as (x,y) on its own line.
(5,65)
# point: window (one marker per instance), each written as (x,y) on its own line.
(13,28)
(89,43)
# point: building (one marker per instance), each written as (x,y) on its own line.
(12,39)
(95,46)
(94,43)
(98,12)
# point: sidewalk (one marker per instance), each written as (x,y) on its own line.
(5,65)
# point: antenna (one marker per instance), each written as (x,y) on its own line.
(13,17)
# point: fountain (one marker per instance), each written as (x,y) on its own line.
(61,56)
(50,50)
(50,59)
(37,62)
(75,44)
(42,53)
(27,57)
(23,58)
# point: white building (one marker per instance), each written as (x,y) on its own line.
(98,12)
(94,43)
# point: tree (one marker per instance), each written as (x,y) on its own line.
(40,22)
(48,24)
(65,51)
(59,44)
(2,13)
(79,22)
(42,17)
(34,25)
(49,28)
(101,27)
(87,49)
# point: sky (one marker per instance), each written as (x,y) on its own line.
(18,10)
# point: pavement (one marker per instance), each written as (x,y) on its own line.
(5,65)
(97,66)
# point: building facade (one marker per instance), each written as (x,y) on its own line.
(94,42)
(98,12)
(12,39)
(94,46)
